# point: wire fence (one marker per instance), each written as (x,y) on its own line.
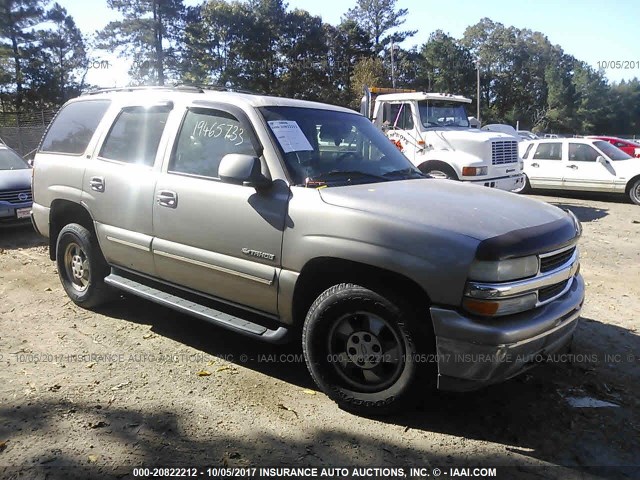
(23,131)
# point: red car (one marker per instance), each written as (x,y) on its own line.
(630,147)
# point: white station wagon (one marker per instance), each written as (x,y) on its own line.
(580,164)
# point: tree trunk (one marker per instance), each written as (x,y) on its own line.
(157,26)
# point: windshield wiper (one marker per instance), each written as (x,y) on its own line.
(348,174)
(405,172)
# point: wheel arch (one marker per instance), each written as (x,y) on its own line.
(320,273)
(441,164)
(64,212)
(630,183)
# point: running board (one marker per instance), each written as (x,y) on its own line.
(198,310)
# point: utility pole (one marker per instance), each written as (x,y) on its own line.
(393,74)
(478,89)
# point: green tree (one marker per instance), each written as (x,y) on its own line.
(147,34)
(59,65)
(380,18)
(18,19)
(366,73)
(446,66)
(347,44)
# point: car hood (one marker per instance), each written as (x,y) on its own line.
(15,179)
(470,210)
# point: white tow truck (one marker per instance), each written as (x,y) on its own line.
(433,131)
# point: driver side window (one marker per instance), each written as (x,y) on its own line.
(398,115)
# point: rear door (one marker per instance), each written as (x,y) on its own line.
(584,172)
(119,183)
(213,237)
(544,166)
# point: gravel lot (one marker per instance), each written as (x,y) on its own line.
(97,393)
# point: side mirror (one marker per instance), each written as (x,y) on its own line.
(602,160)
(243,170)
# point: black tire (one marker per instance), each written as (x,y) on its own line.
(525,188)
(634,191)
(440,171)
(81,266)
(379,377)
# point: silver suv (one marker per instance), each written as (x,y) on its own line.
(283,219)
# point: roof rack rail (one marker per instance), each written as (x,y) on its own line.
(214,86)
(145,87)
(190,87)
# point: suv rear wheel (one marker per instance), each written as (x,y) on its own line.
(81,266)
(360,349)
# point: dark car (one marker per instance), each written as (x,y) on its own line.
(15,187)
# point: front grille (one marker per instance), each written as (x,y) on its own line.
(554,261)
(504,151)
(15,196)
(546,293)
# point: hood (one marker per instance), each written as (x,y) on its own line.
(463,139)
(470,210)
(15,179)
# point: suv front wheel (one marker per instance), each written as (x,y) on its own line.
(360,349)
(81,266)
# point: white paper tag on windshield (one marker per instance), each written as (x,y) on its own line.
(290,136)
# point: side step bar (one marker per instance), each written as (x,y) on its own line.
(194,309)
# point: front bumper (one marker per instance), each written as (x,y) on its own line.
(475,352)
(9,212)
(509,183)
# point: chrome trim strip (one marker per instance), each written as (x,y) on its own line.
(484,290)
(556,252)
(128,244)
(213,267)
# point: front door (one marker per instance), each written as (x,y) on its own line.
(584,172)
(213,237)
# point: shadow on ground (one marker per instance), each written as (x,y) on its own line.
(20,236)
(584,214)
(527,415)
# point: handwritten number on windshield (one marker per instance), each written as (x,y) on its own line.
(231,133)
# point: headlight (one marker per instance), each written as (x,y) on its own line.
(505,306)
(504,270)
(473,171)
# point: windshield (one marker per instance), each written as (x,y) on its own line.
(614,153)
(442,113)
(329,148)
(9,160)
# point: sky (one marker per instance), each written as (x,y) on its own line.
(595,31)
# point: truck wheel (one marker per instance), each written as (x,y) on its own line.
(634,191)
(360,349)
(525,187)
(441,171)
(81,266)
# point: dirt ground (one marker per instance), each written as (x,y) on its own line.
(95,394)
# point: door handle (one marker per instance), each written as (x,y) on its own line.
(572,167)
(167,198)
(535,165)
(97,184)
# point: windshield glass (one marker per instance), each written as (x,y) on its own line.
(9,160)
(614,153)
(442,113)
(327,148)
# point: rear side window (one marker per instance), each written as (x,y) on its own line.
(548,151)
(135,135)
(73,127)
(205,137)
